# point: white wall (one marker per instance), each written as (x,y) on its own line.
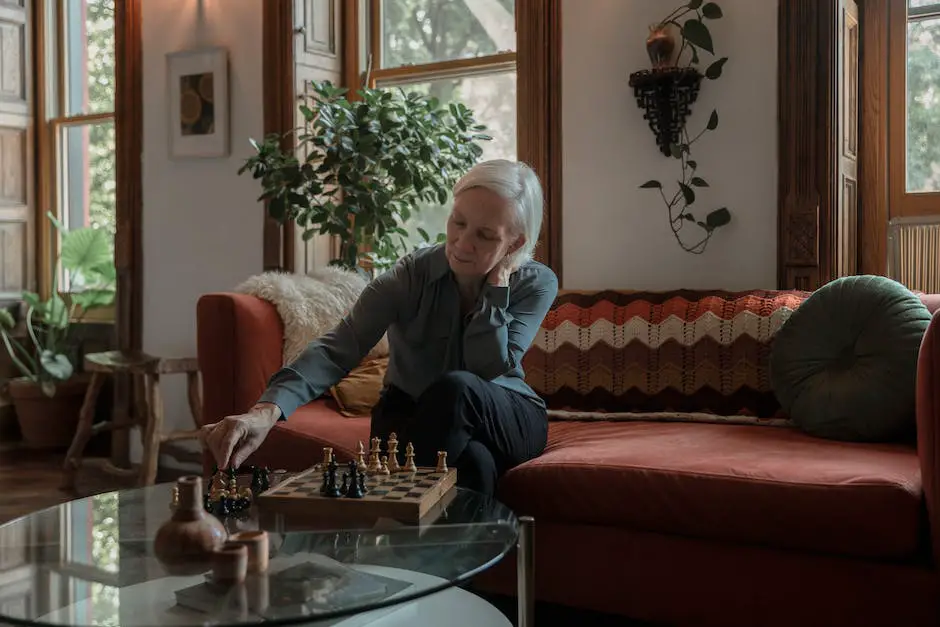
(618,236)
(202,229)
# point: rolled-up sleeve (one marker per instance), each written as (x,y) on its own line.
(329,358)
(502,330)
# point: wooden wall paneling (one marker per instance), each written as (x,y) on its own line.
(844,220)
(128,247)
(17,155)
(806,117)
(873,138)
(318,56)
(538,63)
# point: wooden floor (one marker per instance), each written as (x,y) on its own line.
(30,481)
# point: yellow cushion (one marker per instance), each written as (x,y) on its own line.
(359,391)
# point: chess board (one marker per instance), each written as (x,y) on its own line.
(403,496)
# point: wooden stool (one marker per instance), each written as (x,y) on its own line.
(145,370)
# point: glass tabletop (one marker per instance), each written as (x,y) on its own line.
(92,561)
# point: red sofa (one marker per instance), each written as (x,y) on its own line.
(673,518)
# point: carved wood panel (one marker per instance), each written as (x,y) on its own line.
(319,42)
(16,197)
(845,218)
(808,187)
(316,58)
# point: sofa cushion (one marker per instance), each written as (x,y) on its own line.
(772,486)
(680,351)
(844,365)
(297,443)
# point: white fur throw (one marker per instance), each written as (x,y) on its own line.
(310,305)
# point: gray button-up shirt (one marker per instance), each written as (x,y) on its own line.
(418,304)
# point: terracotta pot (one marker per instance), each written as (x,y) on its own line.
(185,544)
(660,45)
(48,422)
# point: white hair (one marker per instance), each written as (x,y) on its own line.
(519,186)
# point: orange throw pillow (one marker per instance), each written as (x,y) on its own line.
(359,391)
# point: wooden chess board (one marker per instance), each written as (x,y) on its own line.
(405,496)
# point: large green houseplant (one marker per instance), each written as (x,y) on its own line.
(45,350)
(359,168)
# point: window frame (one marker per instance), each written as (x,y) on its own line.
(537,63)
(902,203)
(51,105)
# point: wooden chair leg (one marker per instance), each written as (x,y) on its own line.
(152,432)
(73,459)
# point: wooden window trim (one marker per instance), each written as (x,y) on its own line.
(126,117)
(538,67)
(901,202)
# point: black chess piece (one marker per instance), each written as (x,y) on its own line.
(258,480)
(354,488)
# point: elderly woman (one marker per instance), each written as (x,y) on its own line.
(459,316)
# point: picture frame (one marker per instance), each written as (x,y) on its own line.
(198,103)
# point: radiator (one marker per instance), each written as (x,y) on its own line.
(914,253)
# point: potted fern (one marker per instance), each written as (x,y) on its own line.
(48,394)
(359,169)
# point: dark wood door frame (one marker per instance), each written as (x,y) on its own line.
(279,106)
(128,248)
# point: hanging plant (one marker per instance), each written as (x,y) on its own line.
(690,20)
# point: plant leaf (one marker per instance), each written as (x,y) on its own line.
(711,11)
(699,181)
(651,185)
(56,364)
(698,34)
(694,4)
(712,121)
(688,193)
(6,319)
(675,151)
(718,218)
(713,71)
(692,164)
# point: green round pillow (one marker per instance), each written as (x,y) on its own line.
(844,364)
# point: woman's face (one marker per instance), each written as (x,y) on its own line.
(480,232)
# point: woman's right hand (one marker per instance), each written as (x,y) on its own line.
(234,438)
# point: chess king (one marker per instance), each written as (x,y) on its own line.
(460,317)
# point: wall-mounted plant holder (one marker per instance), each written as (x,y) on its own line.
(666,96)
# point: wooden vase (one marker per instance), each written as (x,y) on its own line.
(185,544)
(660,45)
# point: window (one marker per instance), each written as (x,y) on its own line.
(78,83)
(914,105)
(454,50)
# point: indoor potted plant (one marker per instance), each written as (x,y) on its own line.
(48,395)
(359,168)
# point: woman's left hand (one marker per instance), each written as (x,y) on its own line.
(499,275)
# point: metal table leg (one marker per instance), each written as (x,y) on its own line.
(525,571)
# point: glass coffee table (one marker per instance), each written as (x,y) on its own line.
(91,562)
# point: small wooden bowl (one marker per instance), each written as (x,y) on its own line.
(230,563)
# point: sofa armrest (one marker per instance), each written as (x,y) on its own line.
(928,426)
(240,346)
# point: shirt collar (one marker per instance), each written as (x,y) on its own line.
(439,266)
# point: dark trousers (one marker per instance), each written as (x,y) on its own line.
(485,428)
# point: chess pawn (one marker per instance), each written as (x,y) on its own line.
(327,456)
(361,458)
(441,461)
(410,459)
(384,470)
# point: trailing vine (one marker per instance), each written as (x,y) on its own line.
(696,38)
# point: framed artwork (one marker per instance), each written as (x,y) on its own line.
(198,103)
